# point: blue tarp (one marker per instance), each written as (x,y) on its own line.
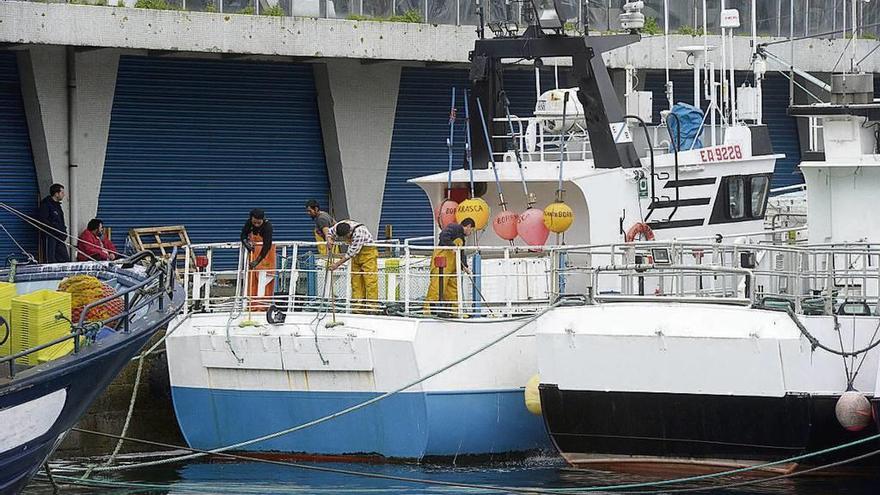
(690,117)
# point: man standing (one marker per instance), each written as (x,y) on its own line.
(444,279)
(323,222)
(256,237)
(364,262)
(93,245)
(55,229)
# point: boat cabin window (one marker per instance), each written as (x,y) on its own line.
(759,186)
(741,198)
(736,198)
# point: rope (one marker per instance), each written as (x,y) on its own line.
(345,411)
(29,255)
(134,394)
(45,228)
(770,479)
(816,344)
(310,467)
(623,488)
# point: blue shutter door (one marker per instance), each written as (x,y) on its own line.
(18,178)
(421,127)
(783,128)
(200,143)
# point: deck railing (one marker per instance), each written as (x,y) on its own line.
(513,280)
(158,285)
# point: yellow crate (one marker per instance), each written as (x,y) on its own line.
(35,323)
(6,347)
(7,292)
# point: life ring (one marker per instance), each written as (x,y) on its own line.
(639,229)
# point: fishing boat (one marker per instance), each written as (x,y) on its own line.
(54,363)
(757,354)
(407,383)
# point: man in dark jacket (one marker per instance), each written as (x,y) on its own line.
(55,230)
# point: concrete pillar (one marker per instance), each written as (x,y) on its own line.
(44,91)
(357,104)
(44,87)
(95,88)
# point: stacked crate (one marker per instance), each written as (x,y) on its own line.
(7,292)
(36,321)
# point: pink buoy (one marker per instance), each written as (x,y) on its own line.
(504,225)
(445,214)
(853,411)
(531,227)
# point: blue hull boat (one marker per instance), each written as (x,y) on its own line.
(40,404)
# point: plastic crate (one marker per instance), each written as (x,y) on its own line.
(6,347)
(35,323)
(7,292)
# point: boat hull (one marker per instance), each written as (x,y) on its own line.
(40,405)
(283,376)
(692,432)
(410,425)
(81,384)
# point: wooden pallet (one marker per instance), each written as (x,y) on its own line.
(161,240)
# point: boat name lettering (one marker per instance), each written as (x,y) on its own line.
(721,153)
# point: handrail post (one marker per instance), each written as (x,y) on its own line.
(208,277)
(125,321)
(406,276)
(507,297)
(186,275)
(348,275)
(458,281)
(294,278)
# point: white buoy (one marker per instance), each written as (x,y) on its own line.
(853,411)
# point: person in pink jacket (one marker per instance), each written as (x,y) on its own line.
(93,245)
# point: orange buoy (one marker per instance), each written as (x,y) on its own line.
(531,227)
(445,214)
(504,225)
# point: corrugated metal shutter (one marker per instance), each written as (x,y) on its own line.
(783,128)
(200,143)
(18,179)
(418,145)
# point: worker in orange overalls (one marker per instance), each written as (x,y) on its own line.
(443,288)
(256,237)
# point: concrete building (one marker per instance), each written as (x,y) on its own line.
(166,118)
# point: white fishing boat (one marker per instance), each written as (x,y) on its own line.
(727,355)
(315,355)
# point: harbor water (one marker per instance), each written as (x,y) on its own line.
(544,474)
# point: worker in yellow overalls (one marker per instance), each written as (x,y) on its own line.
(256,237)
(323,222)
(443,289)
(364,263)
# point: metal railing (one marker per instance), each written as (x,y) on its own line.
(155,287)
(685,16)
(513,280)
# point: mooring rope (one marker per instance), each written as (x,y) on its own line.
(620,488)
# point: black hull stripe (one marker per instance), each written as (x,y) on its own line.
(675,224)
(705,181)
(681,202)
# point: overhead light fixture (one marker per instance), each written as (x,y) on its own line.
(632,17)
